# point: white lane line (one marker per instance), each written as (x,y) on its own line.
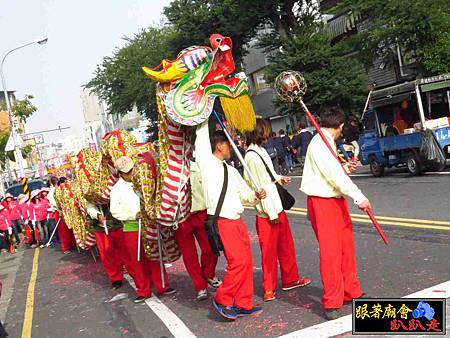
(438,173)
(173,323)
(438,291)
(344,324)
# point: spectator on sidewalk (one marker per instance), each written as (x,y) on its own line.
(301,143)
(14,213)
(351,135)
(287,145)
(272,151)
(281,154)
(5,229)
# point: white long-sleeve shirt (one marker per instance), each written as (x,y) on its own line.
(212,174)
(323,175)
(51,198)
(271,206)
(92,210)
(198,200)
(124,202)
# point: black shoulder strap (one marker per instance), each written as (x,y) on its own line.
(265,164)
(223,192)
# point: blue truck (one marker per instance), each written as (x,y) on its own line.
(397,120)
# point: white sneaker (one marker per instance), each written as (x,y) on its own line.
(202,295)
(214,282)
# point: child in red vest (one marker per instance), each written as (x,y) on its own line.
(5,229)
(38,214)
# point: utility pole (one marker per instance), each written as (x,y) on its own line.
(13,119)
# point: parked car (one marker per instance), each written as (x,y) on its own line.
(17,189)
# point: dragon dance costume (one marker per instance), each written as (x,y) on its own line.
(159,190)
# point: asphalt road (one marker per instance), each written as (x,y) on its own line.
(72,292)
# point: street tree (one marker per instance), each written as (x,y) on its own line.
(195,20)
(421,28)
(119,79)
(22,109)
(275,24)
(333,78)
(242,20)
(120,82)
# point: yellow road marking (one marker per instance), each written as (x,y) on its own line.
(28,319)
(403,224)
(412,220)
(407,222)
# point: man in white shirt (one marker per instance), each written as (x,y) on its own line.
(194,229)
(326,183)
(234,298)
(111,246)
(125,206)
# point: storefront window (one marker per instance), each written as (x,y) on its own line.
(259,81)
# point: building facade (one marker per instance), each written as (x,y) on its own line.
(96,120)
(262,93)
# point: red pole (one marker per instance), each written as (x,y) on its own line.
(322,136)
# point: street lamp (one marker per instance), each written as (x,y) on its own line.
(12,119)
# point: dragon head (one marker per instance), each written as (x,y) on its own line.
(222,60)
(196,78)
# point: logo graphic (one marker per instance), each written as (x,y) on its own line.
(399,316)
(424,310)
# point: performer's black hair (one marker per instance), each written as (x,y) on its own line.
(61,180)
(218,137)
(332,118)
(53,180)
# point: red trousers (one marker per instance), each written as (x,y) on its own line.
(332,225)
(237,287)
(28,234)
(65,234)
(145,272)
(113,254)
(277,245)
(190,230)
(37,235)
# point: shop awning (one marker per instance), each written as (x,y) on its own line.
(391,100)
(435,86)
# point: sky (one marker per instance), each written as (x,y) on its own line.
(80,34)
